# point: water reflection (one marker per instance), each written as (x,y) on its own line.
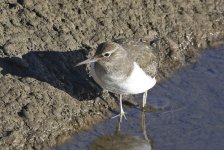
(121,141)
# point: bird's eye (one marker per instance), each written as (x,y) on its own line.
(106,54)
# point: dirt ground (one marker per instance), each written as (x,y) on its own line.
(44,99)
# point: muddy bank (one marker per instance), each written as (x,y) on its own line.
(44,98)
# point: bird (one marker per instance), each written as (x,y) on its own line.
(124,67)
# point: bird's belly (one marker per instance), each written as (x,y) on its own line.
(137,82)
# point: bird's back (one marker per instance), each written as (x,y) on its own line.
(141,52)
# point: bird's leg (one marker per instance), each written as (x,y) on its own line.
(144,99)
(122,113)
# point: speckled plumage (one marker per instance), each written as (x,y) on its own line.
(144,54)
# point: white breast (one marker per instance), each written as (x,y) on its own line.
(137,82)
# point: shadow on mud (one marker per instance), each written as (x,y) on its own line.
(56,68)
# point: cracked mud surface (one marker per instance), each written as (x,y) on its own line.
(44,98)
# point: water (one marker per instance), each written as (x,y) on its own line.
(193,118)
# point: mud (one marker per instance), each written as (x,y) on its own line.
(44,98)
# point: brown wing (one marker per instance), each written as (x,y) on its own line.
(143,53)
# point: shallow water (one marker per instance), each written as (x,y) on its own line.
(193,118)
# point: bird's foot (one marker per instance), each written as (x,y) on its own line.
(122,114)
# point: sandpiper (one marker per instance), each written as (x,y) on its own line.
(124,67)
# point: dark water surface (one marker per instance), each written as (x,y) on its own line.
(193,119)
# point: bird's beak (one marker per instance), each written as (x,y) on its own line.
(90,60)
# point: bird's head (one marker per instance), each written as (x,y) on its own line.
(107,53)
